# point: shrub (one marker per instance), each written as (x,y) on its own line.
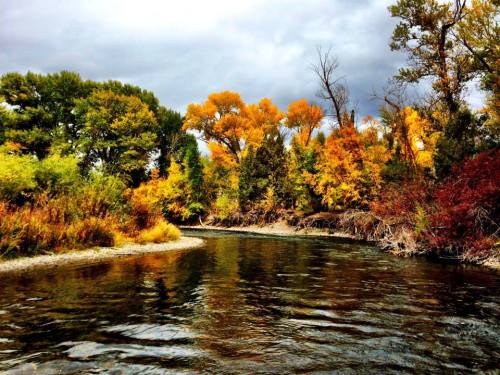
(50,225)
(400,202)
(171,197)
(90,232)
(160,232)
(102,194)
(225,206)
(467,209)
(17,177)
(58,174)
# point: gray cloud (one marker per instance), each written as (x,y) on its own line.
(184,51)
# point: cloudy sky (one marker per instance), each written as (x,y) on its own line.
(184,50)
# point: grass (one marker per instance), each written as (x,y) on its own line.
(160,232)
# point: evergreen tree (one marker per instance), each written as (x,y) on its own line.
(264,169)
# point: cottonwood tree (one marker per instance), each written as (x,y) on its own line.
(41,113)
(118,132)
(169,137)
(303,118)
(479,32)
(229,125)
(425,33)
(220,119)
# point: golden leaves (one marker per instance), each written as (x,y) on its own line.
(303,117)
(226,120)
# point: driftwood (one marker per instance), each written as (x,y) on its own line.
(321,220)
(391,235)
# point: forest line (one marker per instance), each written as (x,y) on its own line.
(85,163)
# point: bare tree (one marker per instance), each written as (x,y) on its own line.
(332,87)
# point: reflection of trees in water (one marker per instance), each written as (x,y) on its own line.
(243,295)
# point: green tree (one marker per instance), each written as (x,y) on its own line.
(426,33)
(264,169)
(169,136)
(193,168)
(30,125)
(117,131)
(42,110)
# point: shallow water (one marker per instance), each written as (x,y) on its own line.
(252,304)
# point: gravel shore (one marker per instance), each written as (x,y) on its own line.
(276,229)
(93,255)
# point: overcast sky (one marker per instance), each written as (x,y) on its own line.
(184,50)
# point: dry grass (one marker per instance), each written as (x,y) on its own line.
(51,226)
(160,232)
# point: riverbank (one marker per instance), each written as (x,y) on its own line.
(283,229)
(94,255)
(275,229)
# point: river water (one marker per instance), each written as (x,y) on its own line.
(252,304)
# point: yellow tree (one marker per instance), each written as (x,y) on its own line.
(230,126)
(339,176)
(262,119)
(421,139)
(349,167)
(220,119)
(304,118)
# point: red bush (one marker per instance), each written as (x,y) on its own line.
(467,206)
(398,202)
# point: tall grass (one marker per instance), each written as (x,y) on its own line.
(50,225)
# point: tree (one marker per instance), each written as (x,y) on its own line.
(349,168)
(168,135)
(332,89)
(263,170)
(425,33)
(479,33)
(117,131)
(229,125)
(304,118)
(147,97)
(219,119)
(193,168)
(413,139)
(42,110)
(457,142)
(301,167)
(30,124)
(263,119)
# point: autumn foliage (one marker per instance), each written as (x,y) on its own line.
(467,213)
(85,163)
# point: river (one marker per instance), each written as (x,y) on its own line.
(252,304)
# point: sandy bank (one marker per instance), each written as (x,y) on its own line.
(276,229)
(94,255)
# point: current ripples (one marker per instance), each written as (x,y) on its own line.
(250,304)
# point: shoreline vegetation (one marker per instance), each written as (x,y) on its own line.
(353,225)
(86,163)
(94,255)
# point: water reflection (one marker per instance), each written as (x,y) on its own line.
(249,304)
